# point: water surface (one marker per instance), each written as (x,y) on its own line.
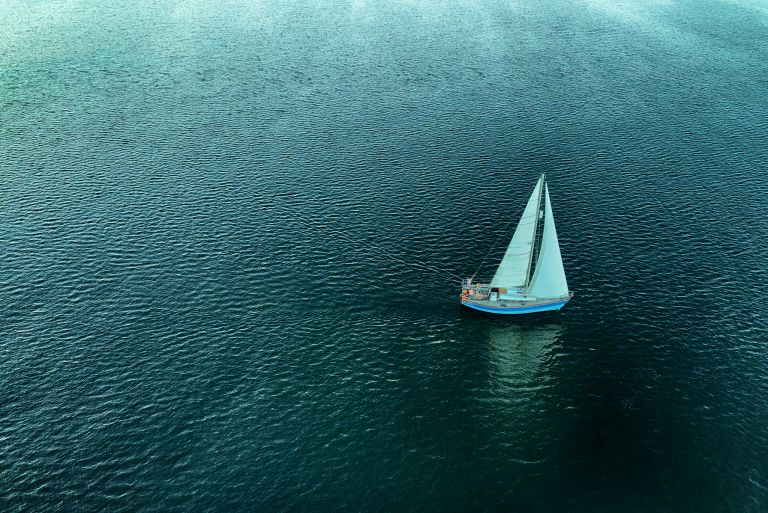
(219,224)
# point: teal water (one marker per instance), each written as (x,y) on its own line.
(206,206)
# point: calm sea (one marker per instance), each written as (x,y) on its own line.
(229,235)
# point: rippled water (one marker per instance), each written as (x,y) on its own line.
(205,210)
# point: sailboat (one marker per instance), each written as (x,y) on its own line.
(520,286)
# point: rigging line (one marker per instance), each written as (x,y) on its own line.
(425,266)
(493,247)
(347,238)
(402,260)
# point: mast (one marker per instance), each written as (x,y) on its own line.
(542,180)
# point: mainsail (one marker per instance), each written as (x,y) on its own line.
(549,278)
(515,266)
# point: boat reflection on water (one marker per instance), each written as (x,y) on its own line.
(518,358)
(518,414)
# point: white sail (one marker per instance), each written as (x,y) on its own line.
(515,266)
(549,278)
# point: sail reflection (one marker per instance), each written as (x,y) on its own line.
(517,358)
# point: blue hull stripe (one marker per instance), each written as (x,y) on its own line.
(516,310)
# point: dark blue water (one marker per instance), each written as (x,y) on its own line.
(204,213)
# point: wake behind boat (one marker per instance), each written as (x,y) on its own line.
(515,289)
